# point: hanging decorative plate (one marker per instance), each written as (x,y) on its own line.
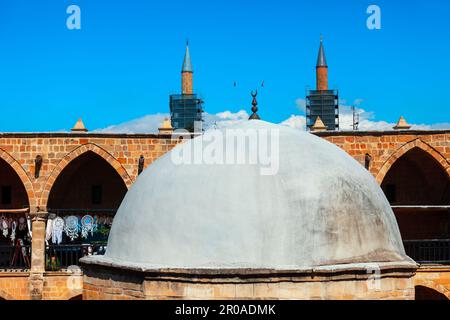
(87,226)
(57,230)
(71,228)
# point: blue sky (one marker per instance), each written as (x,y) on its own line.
(126,59)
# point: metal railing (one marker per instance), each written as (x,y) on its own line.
(428,251)
(58,257)
(15,257)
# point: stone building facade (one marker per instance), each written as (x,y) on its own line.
(405,163)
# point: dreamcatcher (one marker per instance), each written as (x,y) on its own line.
(87,226)
(4,226)
(13,231)
(57,230)
(72,227)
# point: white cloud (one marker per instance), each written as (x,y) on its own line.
(224,119)
(367,120)
(296,122)
(150,123)
(147,124)
(301,104)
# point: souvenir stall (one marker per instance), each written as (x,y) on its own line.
(72,234)
(15,239)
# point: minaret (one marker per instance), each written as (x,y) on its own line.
(187,86)
(321,69)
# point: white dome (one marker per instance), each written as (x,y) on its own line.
(321,208)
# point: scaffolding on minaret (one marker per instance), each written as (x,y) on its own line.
(322,102)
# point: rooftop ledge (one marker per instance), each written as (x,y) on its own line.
(87,135)
(380,133)
(353,270)
(166,136)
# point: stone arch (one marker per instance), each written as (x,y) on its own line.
(433,286)
(404,149)
(72,295)
(67,159)
(5,296)
(23,176)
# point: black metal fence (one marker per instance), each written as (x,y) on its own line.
(58,257)
(15,257)
(62,256)
(428,251)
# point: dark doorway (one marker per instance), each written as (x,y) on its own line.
(12,191)
(88,182)
(425,293)
(418,188)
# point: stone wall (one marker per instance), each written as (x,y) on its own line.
(122,153)
(434,277)
(16,285)
(118,284)
(385,148)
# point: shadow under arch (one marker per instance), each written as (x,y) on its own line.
(417,178)
(21,181)
(406,148)
(427,293)
(417,185)
(5,296)
(87,182)
(75,154)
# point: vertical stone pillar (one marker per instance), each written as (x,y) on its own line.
(38,227)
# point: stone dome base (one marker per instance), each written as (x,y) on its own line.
(375,281)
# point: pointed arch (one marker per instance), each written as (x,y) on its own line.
(89,147)
(431,285)
(407,147)
(22,174)
(6,296)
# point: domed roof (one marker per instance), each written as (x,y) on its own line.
(321,208)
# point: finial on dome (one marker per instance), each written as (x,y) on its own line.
(166,127)
(79,126)
(402,124)
(254,116)
(319,125)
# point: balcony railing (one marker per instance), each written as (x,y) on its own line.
(59,257)
(428,251)
(12,257)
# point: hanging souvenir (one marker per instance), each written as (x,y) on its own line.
(95,223)
(108,221)
(49,230)
(71,228)
(13,231)
(22,224)
(4,226)
(28,222)
(87,226)
(57,230)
